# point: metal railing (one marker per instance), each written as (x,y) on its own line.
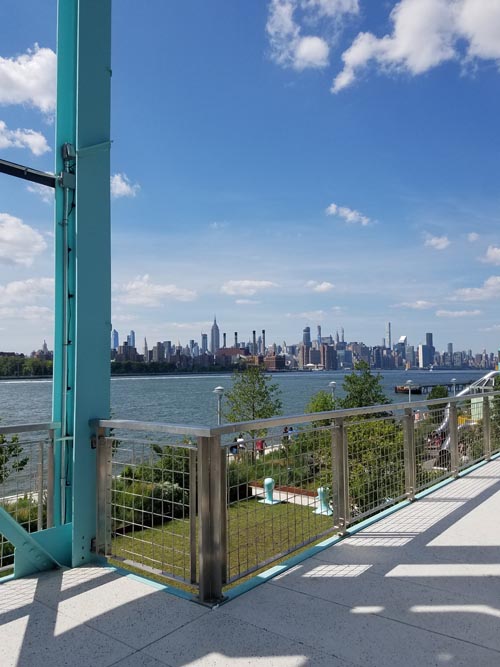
(26,480)
(208,506)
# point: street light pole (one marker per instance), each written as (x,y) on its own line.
(409,384)
(219,391)
(333,386)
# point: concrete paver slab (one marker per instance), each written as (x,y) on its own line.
(364,639)
(122,607)
(36,636)
(220,640)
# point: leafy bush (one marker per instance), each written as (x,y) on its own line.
(146,504)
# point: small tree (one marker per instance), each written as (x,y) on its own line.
(11,459)
(252,396)
(362,388)
(437,392)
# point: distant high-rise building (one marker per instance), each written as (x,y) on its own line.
(214,338)
(306,336)
(388,337)
(204,343)
(319,335)
(115,340)
(159,352)
(428,340)
(342,335)
(131,339)
(145,351)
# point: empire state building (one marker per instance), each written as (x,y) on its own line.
(214,338)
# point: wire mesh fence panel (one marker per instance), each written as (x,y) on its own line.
(376,464)
(470,431)
(495,424)
(150,503)
(279,494)
(23,485)
(431,431)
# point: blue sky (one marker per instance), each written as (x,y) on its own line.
(280,164)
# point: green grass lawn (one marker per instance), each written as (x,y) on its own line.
(257,534)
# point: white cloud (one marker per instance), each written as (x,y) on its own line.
(289,47)
(314,315)
(489,290)
(40,314)
(122,187)
(45,193)
(34,141)
(29,79)
(457,313)
(26,291)
(325,286)
(495,327)
(246,287)
(437,242)
(142,292)
(492,255)
(19,243)
(350,215)
(425,34)
(472,237)
(246,302)
(218,225)
(420,304)
(311,52)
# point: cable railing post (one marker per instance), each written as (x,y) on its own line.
(340,472)
(192,513)
(487,427)
(50,479)
(454,439)
(210,519)
(409,453)
(104,446)
(223,503)
(40,486)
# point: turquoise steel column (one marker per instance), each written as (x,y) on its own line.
(63,353)
(83,295)
(93,260)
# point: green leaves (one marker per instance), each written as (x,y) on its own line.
(252,396)
(362,388)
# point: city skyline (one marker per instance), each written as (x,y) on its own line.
(288,163)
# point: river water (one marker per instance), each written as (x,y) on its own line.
(189,399)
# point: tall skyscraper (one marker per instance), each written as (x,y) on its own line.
(145,351)
(388,337)
(214,338)
(204,343)
(131,339)
(115,340)
(319,335)
(306,336)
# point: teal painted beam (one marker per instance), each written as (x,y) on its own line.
(29,555)
(92,298)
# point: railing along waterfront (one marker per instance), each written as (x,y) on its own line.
(208,506)
(26,480)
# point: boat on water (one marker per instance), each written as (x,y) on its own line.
(403,389)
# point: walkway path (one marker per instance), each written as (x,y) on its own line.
(416,589)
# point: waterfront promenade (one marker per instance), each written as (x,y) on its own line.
(420,587)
